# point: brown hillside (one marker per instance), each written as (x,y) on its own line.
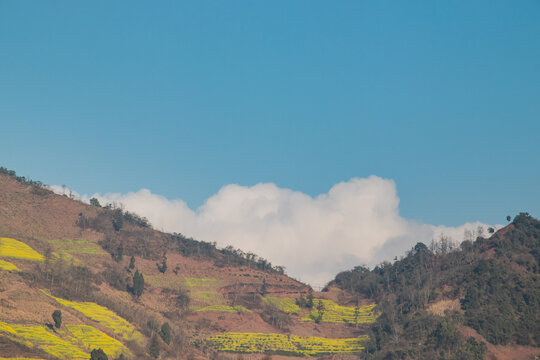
(87,259)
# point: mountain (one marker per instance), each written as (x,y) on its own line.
(138,293)
(81,281)
(481,299)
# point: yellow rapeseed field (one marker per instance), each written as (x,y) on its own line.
(17,249)
(287,305)
(91,338)
(334,313)
(6,328)
(105,317)
(284,344)
(40,336)
(4,265)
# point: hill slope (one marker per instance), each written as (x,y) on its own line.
(446,303)
(139,293)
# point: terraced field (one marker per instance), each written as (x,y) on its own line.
(287,305)
(176,283)
(221,308)
(47,341)
(17,249)
(201,282)
(5,265)
(91,338)
(165,281)
(66,249)
(284,344)
(334,313)
(105,317)
(6,328)
(207,297)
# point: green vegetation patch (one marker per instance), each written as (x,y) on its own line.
(79,247)
(17,249)
(45,340)
(333,313)
(5,265)
(287,305)
(202,282)
(91,338)
(105,317)
(284,344)
(221,308)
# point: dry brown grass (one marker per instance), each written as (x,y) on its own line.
(439,307)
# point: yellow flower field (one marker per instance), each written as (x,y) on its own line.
(287,305)
(17,249)
(4,265)
(47,341)
(334,313)
(284,344)
(6,328)
(92,338)
(105,317)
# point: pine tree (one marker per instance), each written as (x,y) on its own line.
(132,263)
(138,284)
(165,333)
(264,288)
(154,347)
(57,317)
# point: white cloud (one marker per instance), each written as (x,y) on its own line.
(356,222)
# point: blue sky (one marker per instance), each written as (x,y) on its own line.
(183,98)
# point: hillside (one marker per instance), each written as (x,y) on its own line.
(478,300)
(138,293)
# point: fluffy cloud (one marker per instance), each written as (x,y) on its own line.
(356,222)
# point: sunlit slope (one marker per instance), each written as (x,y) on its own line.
(284,344)
(45,339)
(105,317)
(17,249)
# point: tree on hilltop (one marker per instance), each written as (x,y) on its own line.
(95,202)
